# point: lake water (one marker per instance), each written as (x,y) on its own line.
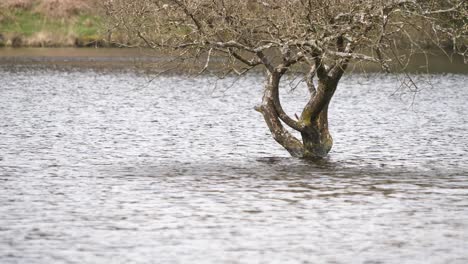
(121,167)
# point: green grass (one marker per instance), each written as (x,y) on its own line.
(27,23)
(23,22)
(87,25)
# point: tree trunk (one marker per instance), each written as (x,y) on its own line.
(316,137)
(313,124)
(267,108)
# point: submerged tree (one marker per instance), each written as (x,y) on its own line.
(317,38)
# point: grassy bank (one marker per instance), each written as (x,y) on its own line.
(80,23)
(50,23)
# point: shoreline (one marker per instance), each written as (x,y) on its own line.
(150,60)
(50,40)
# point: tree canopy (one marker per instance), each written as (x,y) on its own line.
(320,37)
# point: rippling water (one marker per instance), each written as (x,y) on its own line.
(124,168)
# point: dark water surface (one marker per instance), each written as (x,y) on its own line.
(122,168)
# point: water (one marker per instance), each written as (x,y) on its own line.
(118,167)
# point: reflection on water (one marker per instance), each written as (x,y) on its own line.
(115,168)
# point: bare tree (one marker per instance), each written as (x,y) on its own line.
(318,38)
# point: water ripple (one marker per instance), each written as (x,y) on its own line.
(109,167)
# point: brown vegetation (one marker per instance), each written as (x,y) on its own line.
(64,8)
(20,4)
(51,8)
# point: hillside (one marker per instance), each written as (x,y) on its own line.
(49,23)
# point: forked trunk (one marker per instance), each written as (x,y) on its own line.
(313,124)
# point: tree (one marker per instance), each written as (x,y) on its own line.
(317,38)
